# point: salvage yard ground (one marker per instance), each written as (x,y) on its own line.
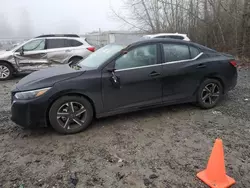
(163,147)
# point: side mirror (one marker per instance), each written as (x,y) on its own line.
(124,52)
(110,69)
(115,80)
(21,51)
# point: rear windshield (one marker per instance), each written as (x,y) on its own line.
(91,44)
(204,48)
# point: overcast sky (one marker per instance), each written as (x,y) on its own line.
(57,16)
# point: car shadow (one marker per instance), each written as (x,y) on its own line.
(136,115)
(20,75)
(153,112)
(107,121)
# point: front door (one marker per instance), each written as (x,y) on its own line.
(32,55)
(136,81)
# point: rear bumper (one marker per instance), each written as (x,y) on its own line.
(29,113)
(232,82)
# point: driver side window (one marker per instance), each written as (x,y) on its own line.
(38,44)
(140,56)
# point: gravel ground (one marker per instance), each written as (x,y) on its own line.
(163,147)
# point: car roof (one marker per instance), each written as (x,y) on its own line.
(58,35)
(169,40)
(157,40)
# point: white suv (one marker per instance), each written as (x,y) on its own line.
(43,51)
(168,35)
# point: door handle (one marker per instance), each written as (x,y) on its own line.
(200,66)
(154,74)
(67,50)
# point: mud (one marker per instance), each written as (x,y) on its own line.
(163,147)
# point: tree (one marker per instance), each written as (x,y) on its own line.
(245,38)
(220,24)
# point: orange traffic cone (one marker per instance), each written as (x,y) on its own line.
(215,173)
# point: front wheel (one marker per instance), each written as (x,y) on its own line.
(209,93)
(6,71)
(70,114)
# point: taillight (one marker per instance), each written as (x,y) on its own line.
(92,49)
(234,63)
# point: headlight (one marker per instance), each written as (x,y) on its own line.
(31,94)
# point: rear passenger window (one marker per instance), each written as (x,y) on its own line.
(56,43)
(176,52)
(75,43)
(194,52)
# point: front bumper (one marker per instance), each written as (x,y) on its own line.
(29,113)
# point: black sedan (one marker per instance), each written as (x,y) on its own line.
(115,80)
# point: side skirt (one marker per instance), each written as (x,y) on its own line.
(133,109)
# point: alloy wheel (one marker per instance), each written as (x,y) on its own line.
(4,72)
(71,115)
(211,93)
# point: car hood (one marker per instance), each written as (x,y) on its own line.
(47,77)
(2,51)
(5,54)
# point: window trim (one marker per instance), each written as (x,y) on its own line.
(166,63)
(141,67)
(185,60)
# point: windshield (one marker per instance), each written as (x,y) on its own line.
(12,47)
(97,58)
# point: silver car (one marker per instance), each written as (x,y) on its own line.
(42,52)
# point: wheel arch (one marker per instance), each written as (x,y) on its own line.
(74,56)
(9,63)
(68,93)
(217,77)
(212,76)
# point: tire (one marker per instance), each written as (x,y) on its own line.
(74,60)
(6,71)
(209,93)
(61,116)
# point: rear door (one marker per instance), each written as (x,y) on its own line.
(76,49)
(58,51)
(183,70)
(32,55)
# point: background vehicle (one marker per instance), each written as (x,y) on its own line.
(42,52)
(114,80)
(168,35)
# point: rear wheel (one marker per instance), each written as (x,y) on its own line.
(74,60)
(6,71)
(70,114)
(209,93)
